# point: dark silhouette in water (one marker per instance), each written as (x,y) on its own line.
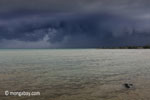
(128,86)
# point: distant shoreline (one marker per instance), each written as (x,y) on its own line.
(117,47)
(127,47)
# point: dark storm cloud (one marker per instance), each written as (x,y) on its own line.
(84,30)
(67,23)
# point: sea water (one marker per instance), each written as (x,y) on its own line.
(75,74)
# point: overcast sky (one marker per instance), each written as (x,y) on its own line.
(74,23)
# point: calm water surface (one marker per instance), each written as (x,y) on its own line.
(75,74)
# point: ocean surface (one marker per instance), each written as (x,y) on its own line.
(75,74)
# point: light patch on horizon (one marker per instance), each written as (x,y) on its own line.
(27,44)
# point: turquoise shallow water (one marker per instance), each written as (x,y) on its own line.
(75,74)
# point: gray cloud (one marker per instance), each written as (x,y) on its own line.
(75,5)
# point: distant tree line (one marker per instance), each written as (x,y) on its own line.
(127,47)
